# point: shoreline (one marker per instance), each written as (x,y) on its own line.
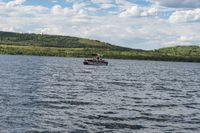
(87,53)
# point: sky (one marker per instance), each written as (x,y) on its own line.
(142,24)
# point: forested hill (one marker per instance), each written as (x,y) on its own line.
(25,39)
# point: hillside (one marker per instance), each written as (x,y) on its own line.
(185,51)
(66,46)
(179,53)
(42,40)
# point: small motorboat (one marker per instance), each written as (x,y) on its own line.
(95,61)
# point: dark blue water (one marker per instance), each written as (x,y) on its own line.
(49,94)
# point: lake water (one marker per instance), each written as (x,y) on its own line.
(61,95)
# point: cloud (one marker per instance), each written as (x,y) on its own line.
(102,1)
(104,4)
(123,4)
(129,26)
(77,10)
(57,9)
(107,6)
(136,11)
(15,3)
(17,9)
(178,3)
(186,38)
(55,1)
(185,16)
(69,1)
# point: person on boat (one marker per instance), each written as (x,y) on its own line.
(98,57)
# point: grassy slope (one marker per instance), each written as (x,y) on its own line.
(181,51)
(51,45)
(53,41)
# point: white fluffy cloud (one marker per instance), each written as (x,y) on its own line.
(186,38)
(78,10)
(58,10)
(185,16)
(136,11)
(15,3)
(178,3)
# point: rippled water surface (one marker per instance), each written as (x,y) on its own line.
(49,94)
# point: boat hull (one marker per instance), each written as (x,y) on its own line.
(95,62)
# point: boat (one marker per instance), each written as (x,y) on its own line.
(95,61)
